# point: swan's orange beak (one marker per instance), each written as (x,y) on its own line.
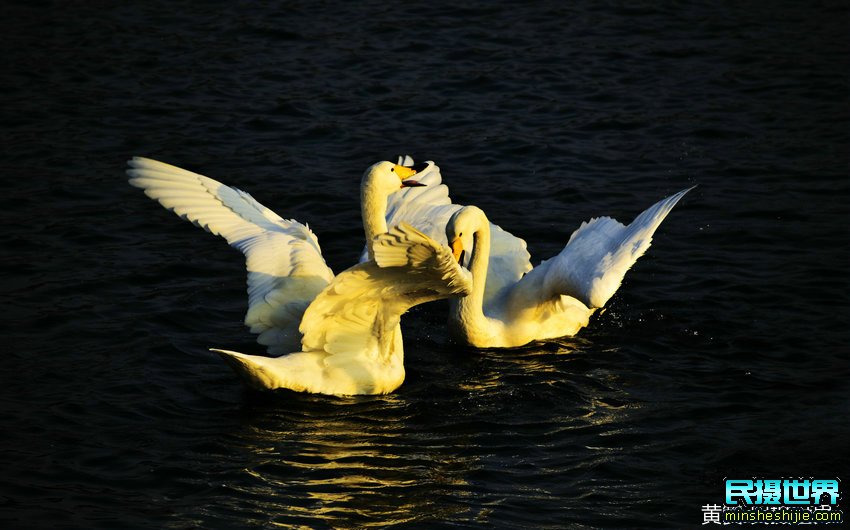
(457,249)
(404,173)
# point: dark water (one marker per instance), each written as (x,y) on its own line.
(724,354)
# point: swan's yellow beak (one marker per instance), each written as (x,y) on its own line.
(457,249)
(404,173)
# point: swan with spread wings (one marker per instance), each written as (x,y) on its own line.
(556,298)
(347,327)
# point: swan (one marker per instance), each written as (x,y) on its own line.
(349,324)
(556,298)
(286,270)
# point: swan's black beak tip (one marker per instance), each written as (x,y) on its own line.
(410,183)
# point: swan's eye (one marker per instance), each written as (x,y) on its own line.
(392,169)
(460,235)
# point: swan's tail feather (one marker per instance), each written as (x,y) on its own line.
(255,370)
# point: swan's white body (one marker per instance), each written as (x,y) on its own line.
(347,326)
(557,297)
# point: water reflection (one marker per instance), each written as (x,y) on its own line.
(348,463)
(464,440)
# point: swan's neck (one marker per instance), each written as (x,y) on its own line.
(373,208)
(468,312)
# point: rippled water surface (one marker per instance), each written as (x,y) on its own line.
(722,355)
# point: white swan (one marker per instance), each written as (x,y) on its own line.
(285,266)
(557,297)
(350,324)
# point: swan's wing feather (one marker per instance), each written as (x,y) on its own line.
(359,311)
(592,265)
(429,209)
(284,261)
(425,263)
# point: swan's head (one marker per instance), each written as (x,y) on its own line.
(460,230)
(387,178)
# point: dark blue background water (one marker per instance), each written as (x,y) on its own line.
(723,354)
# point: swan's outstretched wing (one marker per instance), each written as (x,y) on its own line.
(597,257)
(285,266)
(429,209)
(358,312)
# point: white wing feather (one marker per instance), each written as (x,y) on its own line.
(429,209)
(285,266)
(359,311)
(597,257)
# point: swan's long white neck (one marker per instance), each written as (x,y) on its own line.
(373,209)
(470,309)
